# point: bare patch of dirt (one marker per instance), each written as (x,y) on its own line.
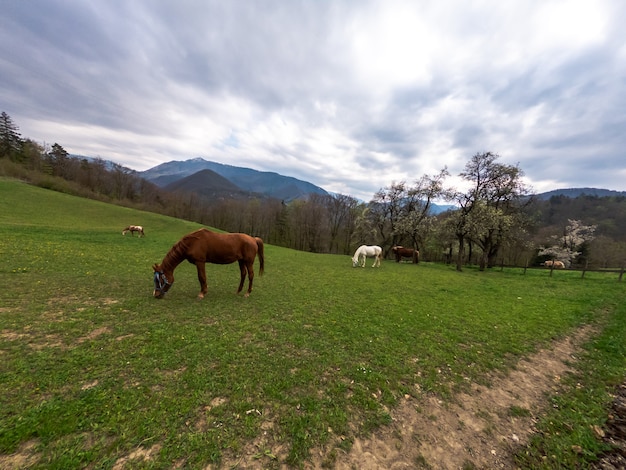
(120,338)
(479,429)
(141,454)
(36,343)
(11,335)
(94,334)
(201,424)
(264,452)
(89,385)
(25,457)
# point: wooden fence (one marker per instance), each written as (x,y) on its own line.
(583,271)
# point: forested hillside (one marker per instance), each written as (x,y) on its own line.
(608,213)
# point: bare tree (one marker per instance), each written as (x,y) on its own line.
(490,208)
(340,213)
(416,220)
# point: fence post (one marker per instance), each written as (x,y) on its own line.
(585,269)
(621,273)
(552,267)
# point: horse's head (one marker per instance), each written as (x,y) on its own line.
(161,283)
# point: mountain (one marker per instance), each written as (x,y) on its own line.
(266,183)
(439,208)
(207,183)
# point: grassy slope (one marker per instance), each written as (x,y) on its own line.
(94,367)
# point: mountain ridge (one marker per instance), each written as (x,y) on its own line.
(269,184)
(577,192)
(255,182)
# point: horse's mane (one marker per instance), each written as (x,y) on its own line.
(177,253)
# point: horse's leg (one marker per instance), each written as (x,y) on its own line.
(242,270)
(250,268)
(200,266)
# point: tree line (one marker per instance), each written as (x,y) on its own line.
(496,221)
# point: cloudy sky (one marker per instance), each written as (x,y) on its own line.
(349,95)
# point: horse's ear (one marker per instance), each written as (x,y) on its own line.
(156,267)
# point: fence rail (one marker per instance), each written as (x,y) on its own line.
(583,271)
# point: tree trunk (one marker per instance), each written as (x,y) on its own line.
(461,254)
(483,261)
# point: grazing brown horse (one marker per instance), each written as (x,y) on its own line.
(132,229)
(203,246)
(402,252)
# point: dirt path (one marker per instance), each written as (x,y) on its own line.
(475,430)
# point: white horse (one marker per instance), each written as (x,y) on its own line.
(365,251)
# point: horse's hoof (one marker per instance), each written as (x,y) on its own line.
(200,296)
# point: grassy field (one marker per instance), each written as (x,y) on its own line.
(92,367)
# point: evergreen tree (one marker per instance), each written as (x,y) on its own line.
(59,160)
(10,140)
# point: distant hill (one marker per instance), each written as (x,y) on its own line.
(266,183)
(577,192)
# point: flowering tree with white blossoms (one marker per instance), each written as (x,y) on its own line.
(566,247)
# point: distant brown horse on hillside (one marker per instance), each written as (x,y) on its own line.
(402,252)
(132,229)
(556,264)
(203,246)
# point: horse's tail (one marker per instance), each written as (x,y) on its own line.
(261,253)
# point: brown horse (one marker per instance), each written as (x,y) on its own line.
(402,252)
(132,229)
(204,246)
(555,264)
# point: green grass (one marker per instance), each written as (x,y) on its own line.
(93,367)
